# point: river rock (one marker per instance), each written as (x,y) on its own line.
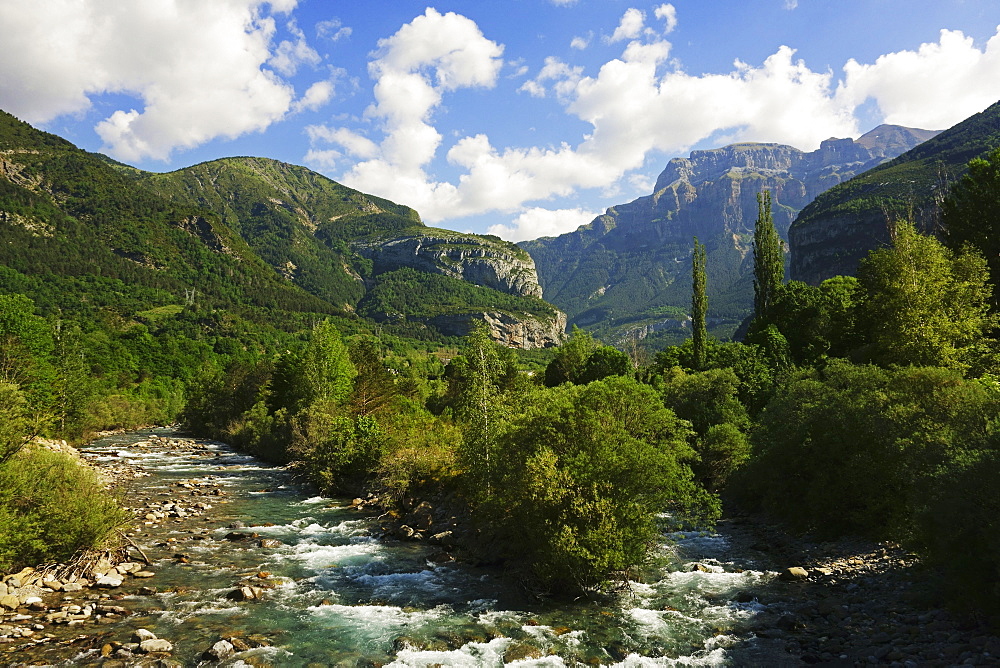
(220,651)
(443,538)
(143,574)
(794,574)
(421,517)
(269,542)
(9,602)
(245,594)
(155,645)
(139,635)
(72,586)
(109,581)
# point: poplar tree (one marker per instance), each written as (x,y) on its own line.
(768,257)
(699,305)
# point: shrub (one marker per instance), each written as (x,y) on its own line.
(582,476)
(51,506)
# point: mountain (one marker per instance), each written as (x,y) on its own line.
(627,273)
(839,228)
(82,230)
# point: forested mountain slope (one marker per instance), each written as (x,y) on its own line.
(246,233)
(842,225)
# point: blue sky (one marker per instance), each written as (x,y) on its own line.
(517,117)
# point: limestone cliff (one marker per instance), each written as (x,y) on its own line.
(510,329)
(482,260)
(630,268)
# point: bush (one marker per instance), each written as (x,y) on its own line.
(959,529)
(337,448)
(850,450)
(582,477)
(50,507)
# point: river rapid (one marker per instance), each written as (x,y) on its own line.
(334,592)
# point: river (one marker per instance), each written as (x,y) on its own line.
(334,594)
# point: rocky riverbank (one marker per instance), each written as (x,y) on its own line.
(835,603)
(61,614)
(856,602)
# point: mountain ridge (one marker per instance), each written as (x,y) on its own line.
(840,227)
(626,273)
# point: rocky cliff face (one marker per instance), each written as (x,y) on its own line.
(509,329)
(630,267)
(484,261)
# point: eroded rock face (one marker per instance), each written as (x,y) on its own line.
(478,260)
(509,329)
(634,260)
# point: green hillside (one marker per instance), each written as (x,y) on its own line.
(833,233)
(296,220)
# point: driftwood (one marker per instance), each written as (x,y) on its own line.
(137,548)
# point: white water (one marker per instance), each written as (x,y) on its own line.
(338,595)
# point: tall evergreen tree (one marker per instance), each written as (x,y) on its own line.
(971,213)
(699,305)
(768,257)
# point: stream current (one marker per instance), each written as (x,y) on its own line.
(336,595)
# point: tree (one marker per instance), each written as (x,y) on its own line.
(374,386)
(923,305)
(768,258)
(585,471)
(327,371)
(603,362)
(478,406)
(699,304)
(570,358)
(971,211)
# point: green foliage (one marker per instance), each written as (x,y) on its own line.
(421,453)
(570,358)
(699,304)
(336,447)
(326,372)
(849,450)
(709,400)
(18,423)
(477,383)
(604,362)
(958,528)
(922,305)
(971,211)
(50,507)
(768,258)
(585,471)
(410,294)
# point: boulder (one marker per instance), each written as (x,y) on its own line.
(269,542)
(109,581)
(9,602)
(422,517)
(139,635)
(155,645)
(220,651)
(245,594)
(794,574)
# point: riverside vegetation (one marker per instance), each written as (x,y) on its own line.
(864,405)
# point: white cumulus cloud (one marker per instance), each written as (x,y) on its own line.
(199,70)
(668,14)
(538,222)
(934,87)
(639,104)
(630,26)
